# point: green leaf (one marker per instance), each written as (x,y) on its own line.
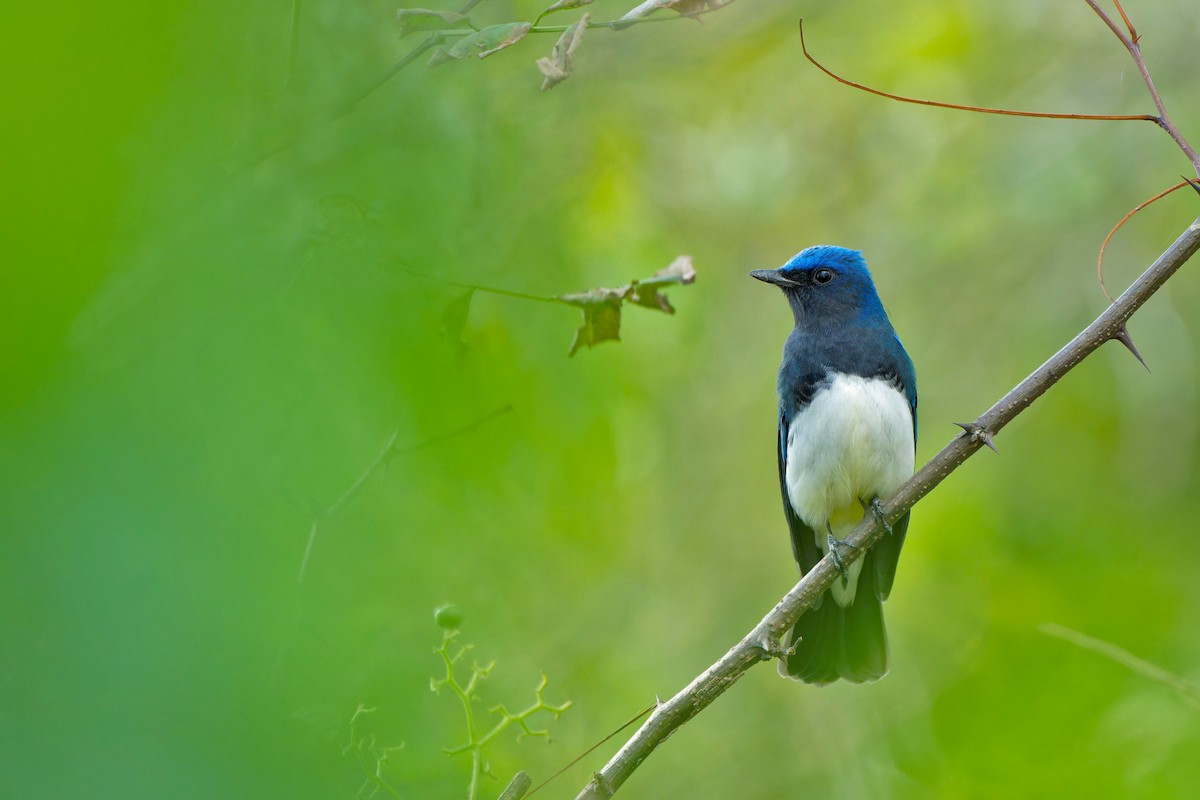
(439,56)
(494,38)
(423,19)
(489,40)
(459,50)
(517,787)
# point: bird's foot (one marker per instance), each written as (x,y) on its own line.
(772,647)
(835,548)
(876,509)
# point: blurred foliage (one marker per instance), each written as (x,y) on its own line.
(467,693)
(374,757)
(215,317)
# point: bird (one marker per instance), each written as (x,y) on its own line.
(847,442)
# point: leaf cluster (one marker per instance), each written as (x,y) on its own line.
(602,307)
(454,35)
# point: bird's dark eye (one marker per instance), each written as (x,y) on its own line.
(822,275)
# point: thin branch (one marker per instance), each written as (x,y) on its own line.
(293,44)
(1112,26)
(1188,690)
(979,109)
(352,102)
(1135,51)
(1133,34)
(386,454)
(1117,227)
(475,287)
(588,752)
(763,641)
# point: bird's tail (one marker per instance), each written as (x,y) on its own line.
(847,642)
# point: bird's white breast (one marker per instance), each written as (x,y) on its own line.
(853,442)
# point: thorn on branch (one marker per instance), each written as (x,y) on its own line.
(1122,336)
(978,433)
(603,787)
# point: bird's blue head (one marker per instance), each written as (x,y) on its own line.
(826,283)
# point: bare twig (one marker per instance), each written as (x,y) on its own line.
(1133,34)
(1187,690)
(352,102)
(763,641)
(587,752)
(1117,227)
(386,454)
(979,109)
(293,44)
(1135,51)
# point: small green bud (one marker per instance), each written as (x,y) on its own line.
(448,617)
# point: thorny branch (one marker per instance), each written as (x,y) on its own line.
(764,641)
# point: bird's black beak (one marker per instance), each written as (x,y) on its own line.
(771,276)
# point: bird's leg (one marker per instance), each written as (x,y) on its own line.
(876,508)
(835,545)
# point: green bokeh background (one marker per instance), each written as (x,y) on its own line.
(202,351)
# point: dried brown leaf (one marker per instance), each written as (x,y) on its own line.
(557,68)
(646,293)
(602,307)
(601,316)
(682,7)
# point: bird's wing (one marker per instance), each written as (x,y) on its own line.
(804,542)
(906,377)
(886,552)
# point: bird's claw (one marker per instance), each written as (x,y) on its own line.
(774,648)
(835,546)
(876,509)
